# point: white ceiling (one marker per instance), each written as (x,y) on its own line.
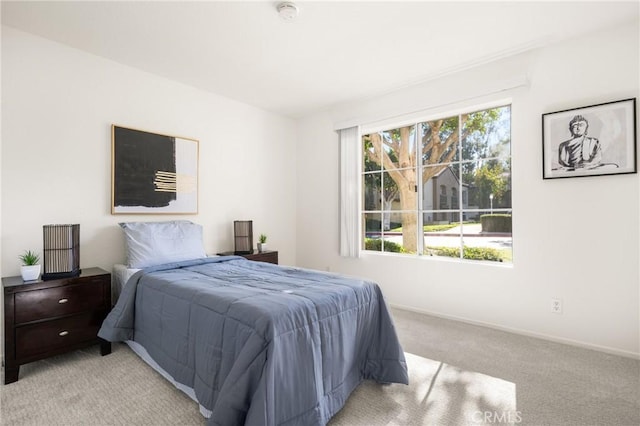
(334,52)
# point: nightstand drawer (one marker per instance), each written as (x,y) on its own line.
(46,336)
(58,301)
(267,256)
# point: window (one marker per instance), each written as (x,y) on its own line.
(440,187)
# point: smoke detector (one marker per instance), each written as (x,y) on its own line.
(287,11)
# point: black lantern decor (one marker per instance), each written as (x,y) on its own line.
(61,251)
(243,236)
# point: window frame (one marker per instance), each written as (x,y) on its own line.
(419,211)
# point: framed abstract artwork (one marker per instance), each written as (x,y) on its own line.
(153,173)
(593,140)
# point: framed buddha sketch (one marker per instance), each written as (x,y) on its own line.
(593,140)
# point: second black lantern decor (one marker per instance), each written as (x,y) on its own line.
(243,236)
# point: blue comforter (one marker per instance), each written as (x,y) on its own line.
(261,344)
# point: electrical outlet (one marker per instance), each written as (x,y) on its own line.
(556,306)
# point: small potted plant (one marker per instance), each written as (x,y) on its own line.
(262,243)
(30,269)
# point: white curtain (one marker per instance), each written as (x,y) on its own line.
(350,154)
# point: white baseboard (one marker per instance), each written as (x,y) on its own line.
(527,333)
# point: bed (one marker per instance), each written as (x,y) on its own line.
(256,343)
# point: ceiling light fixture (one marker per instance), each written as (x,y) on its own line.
(287,11)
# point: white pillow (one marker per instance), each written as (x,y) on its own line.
(155,243)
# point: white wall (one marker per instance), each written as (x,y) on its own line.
(574,239)
(57,108)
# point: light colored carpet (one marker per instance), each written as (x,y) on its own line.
(556,384)
(83,388)
(438,394)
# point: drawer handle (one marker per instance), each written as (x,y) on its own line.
(63,333)
(63,300)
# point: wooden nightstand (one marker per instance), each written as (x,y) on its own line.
(268,256)
(46,318)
